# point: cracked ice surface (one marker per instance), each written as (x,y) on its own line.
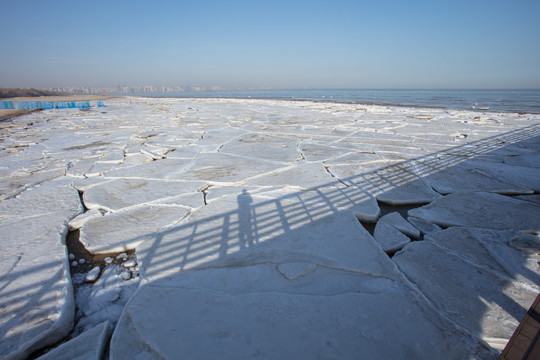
(244,215)
(492,290)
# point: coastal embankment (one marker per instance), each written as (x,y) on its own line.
(6,114)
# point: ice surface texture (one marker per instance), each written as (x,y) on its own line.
(245,216)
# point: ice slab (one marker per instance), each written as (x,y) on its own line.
(389,238)
(87,346)
(482,301)
(480,210)
(36,295)
(397,184)
(356,158)
(250,229)
(77,222)
(14,184)
(121,193)
(527,160)
(527,177)
(395,220)
(83,184)
(424,227)
(219,168)
(184,152)
(509,254)
(160,169)
(136,159)
(310,175)
(320,152)
(263,146)
(152,155)
(338,196)
(255,311)
(447,175)
(124,230)
(215,138)
(79,167)
(535,199)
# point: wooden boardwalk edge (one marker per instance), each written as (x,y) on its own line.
(525,342)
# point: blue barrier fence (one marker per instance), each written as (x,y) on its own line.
(31,105)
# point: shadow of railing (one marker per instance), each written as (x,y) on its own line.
(309,225)
(249,222)
(238,224)
(33,312)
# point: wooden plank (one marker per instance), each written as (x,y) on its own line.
(525,342)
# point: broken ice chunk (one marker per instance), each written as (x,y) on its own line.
(424,226)
(77,222)
(395,220)
(151,154)
(389,237)
(480,210)
(93,274)
(129,263)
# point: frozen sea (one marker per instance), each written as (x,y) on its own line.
(267,228)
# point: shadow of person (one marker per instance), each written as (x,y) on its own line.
(245,219)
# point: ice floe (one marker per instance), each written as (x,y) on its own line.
(479,269)
(390,238)
(124,230)
(395,220)
(480,210)
(121,193)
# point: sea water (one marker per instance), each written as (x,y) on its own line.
(520,101)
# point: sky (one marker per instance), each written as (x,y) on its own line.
(271,44)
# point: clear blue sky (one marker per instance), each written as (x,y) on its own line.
(281,44)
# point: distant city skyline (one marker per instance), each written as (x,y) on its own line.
(271,44)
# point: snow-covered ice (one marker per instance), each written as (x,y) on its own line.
(93,274)
(121,193)
(480,210)
(77,222)
(124,230)
(247,222)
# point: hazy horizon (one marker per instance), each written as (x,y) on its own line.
(278,44)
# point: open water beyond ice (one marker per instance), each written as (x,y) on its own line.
(520,101)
